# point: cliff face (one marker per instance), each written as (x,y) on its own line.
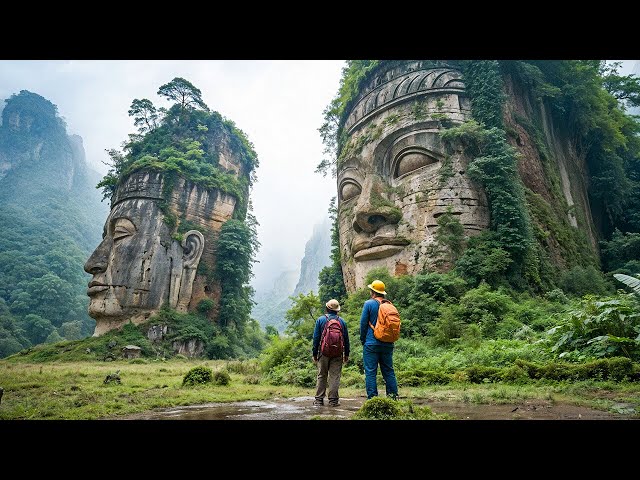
(555,179)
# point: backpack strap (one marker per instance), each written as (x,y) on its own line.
(324,331)
(379,300)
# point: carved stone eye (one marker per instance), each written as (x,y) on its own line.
(349,190)
(412,160)
(122,228)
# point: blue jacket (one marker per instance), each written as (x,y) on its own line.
(370,314)
(317,333)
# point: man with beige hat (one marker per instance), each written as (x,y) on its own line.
(330,351)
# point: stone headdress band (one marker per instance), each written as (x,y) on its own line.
(402,83)
(141,184)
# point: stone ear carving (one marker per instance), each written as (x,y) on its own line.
(193,246)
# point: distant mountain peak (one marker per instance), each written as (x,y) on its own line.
(28,112)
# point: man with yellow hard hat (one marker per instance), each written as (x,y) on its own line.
(376,352)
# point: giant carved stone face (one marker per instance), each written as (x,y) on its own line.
(395,176)
(138,267)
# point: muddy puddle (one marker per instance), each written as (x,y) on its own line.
(302,408)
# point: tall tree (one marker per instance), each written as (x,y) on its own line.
(182,91)
(144,113)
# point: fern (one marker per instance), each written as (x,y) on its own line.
(629,281)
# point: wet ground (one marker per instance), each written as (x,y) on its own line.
(302,408)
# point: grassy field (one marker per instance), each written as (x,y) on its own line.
(76,390)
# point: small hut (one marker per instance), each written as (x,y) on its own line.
(131,351)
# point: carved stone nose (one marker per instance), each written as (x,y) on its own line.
(369,223)
(369,220)
(98,261)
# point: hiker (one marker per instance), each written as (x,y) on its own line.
(330,352)
(376,352)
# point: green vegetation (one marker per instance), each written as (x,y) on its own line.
(218,342)
(379,408)
(185,140)
(330,280)
(237,247)
(198,376)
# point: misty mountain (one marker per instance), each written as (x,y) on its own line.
(273,302)
(51,219)
(316,256)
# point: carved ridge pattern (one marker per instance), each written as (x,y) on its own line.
(402,88)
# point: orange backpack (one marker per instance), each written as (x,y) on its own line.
(387,327)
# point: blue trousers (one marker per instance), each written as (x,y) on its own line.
(372,356)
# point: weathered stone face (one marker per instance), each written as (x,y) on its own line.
(395,176)
(138,267)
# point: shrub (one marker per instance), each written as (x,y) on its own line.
(243,367)
(252,379)
(481,374)
(514,374)
(580,281)
(221,377)
(414,378)
(620,368)
(557,296)
(599,328)
(379,408)
(205,306)
(382,408)
(198,376)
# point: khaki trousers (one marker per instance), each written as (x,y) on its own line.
(331,368)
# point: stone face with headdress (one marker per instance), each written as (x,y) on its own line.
(145,260)
(395,176)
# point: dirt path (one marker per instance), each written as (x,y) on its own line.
(301,408)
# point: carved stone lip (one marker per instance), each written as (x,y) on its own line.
(96,287)
(95,290)
(378,241)
(374,253)
(377,247)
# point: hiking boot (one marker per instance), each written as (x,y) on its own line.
(393,396)
(334,404)
(318,403)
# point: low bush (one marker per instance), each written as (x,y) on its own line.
(198,376)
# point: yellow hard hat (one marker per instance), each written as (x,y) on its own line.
(377,286)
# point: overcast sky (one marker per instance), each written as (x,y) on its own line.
(278,104)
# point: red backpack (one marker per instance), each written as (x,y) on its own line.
(332,341)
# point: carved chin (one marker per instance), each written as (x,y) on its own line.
(105,307)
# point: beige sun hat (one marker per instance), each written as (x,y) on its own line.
(333,304)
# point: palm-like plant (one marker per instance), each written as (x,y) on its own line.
(629,281)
